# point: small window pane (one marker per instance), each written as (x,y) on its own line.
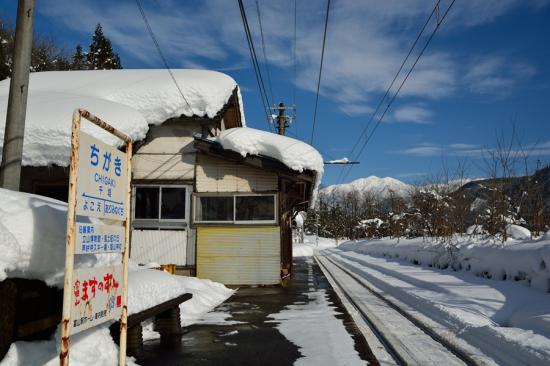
(215,209)
(255,208)
(173,203)
(147,203)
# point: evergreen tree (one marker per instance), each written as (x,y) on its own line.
(101,55)
(79,59)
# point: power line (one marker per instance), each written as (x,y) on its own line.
(266,62)
(255,64)
(438,24)
(364,131)
(159,50)
(320,73)
(294,63)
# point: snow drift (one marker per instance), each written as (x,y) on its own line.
(128,99)
(295,154)
(522,261)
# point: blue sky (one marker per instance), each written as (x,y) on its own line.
(487,67)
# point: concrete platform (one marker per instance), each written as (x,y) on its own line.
(249,335)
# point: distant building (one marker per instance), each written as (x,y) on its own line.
(211,208)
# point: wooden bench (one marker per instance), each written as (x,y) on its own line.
(166,321)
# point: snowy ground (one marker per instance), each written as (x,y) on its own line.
(506,316)
(310,245)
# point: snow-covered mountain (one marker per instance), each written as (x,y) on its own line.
(382,187)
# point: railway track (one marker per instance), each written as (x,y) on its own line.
(398,337)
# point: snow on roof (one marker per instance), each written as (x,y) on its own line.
(128,99)
(295,154)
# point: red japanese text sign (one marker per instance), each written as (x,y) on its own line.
(96,297)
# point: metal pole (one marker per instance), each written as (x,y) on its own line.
(125,255)
(71,232)
(12,151)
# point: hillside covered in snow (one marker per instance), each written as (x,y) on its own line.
(380,187)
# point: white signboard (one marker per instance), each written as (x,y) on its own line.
(97,238)
(102,180)
(96,297)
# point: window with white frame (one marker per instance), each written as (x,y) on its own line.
(160,205)
(236,208)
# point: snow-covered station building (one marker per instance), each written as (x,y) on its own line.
(209,195)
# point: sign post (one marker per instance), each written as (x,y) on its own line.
(99,187)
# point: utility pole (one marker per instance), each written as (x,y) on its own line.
(12,151)
(282,118)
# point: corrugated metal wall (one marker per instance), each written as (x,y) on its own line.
(236,255)
(160,246)
(216,175)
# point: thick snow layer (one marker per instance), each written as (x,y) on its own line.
(508,322)
(295,154)
(33,238)
(517,232)
(525,262)
(128,99)
(150,287)
(207,295)
(310,246)
(93,347)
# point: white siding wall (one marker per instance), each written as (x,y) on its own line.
(160,246)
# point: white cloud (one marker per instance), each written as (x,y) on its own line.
(413,114)
(356,109)
(473,151)
(495,75)
(366,43)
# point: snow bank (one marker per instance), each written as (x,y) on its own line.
(295,154)
(508,322)
(150,287)
(33,239)
(129,99)
(90,348)
(526,262)
(310,246)
(207,295)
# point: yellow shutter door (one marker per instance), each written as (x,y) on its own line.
(235,255)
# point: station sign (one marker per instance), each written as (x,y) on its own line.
(96,297)
(102,180)
(98,238)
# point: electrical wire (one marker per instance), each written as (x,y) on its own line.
(266,62)
(255,64)
(159,50)
(320,73)
(438,24)
(364,131)
(294,66)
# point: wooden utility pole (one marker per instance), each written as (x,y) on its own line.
(282,123)
(12,151)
